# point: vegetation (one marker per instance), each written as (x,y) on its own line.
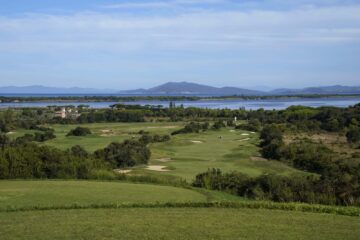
(283,163)
(79,131)
(126,154)
(192,127)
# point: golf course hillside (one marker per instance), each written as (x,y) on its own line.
(184,156)
(145,172)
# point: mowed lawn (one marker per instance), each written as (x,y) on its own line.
(175,223)
(186,155)
(30,193)
(105,133)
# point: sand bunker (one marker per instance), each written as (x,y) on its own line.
(11,133)
(157,168)
(252,132)
(164,127)
(245,139)
(245,134)
(163,159)
(106,133)
(195,141)
(258,159)
(232,130)
(122,171)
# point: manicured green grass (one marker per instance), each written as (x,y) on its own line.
(189,154)
(58,193)
(176,223)
(105,133)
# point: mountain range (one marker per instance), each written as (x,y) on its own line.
(182,88)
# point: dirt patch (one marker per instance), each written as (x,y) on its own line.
(245,139)
(163,159)
(169,127)
(157,168)
(258,159)
(245,134)
(122,171)
(106,133)
(195,141)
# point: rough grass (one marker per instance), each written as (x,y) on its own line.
(335,141)
(176,223)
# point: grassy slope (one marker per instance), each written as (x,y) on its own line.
(163,223)
(58,193)
(231,152)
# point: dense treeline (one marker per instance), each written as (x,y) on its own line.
(192,127)
(294,118)
(126,154)
(24,159)
(147,138)
(30,160)
(295,188)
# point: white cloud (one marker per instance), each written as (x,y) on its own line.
(162,4)
(200,31)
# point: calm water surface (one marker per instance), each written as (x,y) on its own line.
(212,104)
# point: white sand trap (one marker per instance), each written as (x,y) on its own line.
(122,171)
(11,133)
(245,139)
(194,141)
(164,127)
(157,168)
(252,132)
(163,159)
(258,159)
(232,130)
(245,134)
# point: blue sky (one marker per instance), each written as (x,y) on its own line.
(132,44)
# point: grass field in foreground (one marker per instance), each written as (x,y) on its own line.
(58,193)
(164,223)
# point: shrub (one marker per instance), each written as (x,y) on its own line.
(79,131)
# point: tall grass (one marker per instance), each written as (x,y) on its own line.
(347,211)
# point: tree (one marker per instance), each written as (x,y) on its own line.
(79,131)
(126,154)
(353,134)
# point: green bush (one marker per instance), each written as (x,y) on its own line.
(79,131)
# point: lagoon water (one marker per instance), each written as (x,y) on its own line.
(268,104)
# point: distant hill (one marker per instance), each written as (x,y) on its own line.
(37,89)
(337,89)
(182,88)
(187,88)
